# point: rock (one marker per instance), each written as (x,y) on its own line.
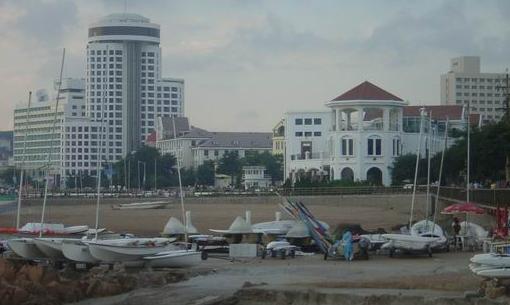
(151,279)
(101,269)
(18,296)
(127,282)
(92,287)
(32,273)
(495,292)
(7,271)
(119,268)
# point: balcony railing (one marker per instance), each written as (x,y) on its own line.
(308,156)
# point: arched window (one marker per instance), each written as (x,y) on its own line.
(397,147)
(347,174)
(374,146)
(374,176)
(347,146)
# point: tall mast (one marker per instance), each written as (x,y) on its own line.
(20,190)
(429,153)
(422,113)
(180,188)
(440,171)
(52,140)
(468,152)
(100,155)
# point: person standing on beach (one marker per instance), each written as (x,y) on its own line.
(347,243)
(456,230)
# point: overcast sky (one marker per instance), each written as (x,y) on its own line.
(245,63)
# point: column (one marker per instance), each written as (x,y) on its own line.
(360,119)
(337,115)
(386,119)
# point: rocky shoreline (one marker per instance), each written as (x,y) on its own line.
(22,283)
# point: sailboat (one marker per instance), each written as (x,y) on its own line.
(426,227)
(27,247)
(408,242)
(178,257)
(24,247)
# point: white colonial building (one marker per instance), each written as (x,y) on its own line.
(360,136)
(193,146)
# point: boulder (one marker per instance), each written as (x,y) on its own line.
(18,296)
(32,273)
(7,271)
(495,292)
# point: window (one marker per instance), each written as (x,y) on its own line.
(347,148)
(396,147)
(308,133)
(308,121)
(299,121)
(374,147)
(299,133)
(317,134)
(317,121)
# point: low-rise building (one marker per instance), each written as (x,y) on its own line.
(255,177)
(193,146)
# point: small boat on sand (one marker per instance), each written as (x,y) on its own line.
(140,205)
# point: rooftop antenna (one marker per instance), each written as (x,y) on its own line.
(125,6)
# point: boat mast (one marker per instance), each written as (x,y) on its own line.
(422,113)
(468,153)
(429,153)
(180,188)
(20,190)
(440,171)
(100,156)
(52,142)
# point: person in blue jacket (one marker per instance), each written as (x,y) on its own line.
(347,243)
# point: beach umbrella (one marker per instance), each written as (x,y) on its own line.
(466,207)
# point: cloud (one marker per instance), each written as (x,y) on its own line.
(45,22)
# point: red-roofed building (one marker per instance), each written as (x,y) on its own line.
(367,91)
(361,134)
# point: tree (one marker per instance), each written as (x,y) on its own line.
(205,173)
(156,165)
(490,147)
(272,163)
(230,164)
(8,176)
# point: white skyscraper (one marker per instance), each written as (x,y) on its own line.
(465,83)
(124,66)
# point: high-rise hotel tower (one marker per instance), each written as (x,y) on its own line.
(124,86)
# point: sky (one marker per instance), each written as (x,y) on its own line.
(246,63)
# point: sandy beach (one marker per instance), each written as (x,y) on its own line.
(371,211)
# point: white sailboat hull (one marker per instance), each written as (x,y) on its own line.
(77,251)
(26,248)
(174,259)
(497,273)
(491,259)
(123,250)
(51,247)
(408,242)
